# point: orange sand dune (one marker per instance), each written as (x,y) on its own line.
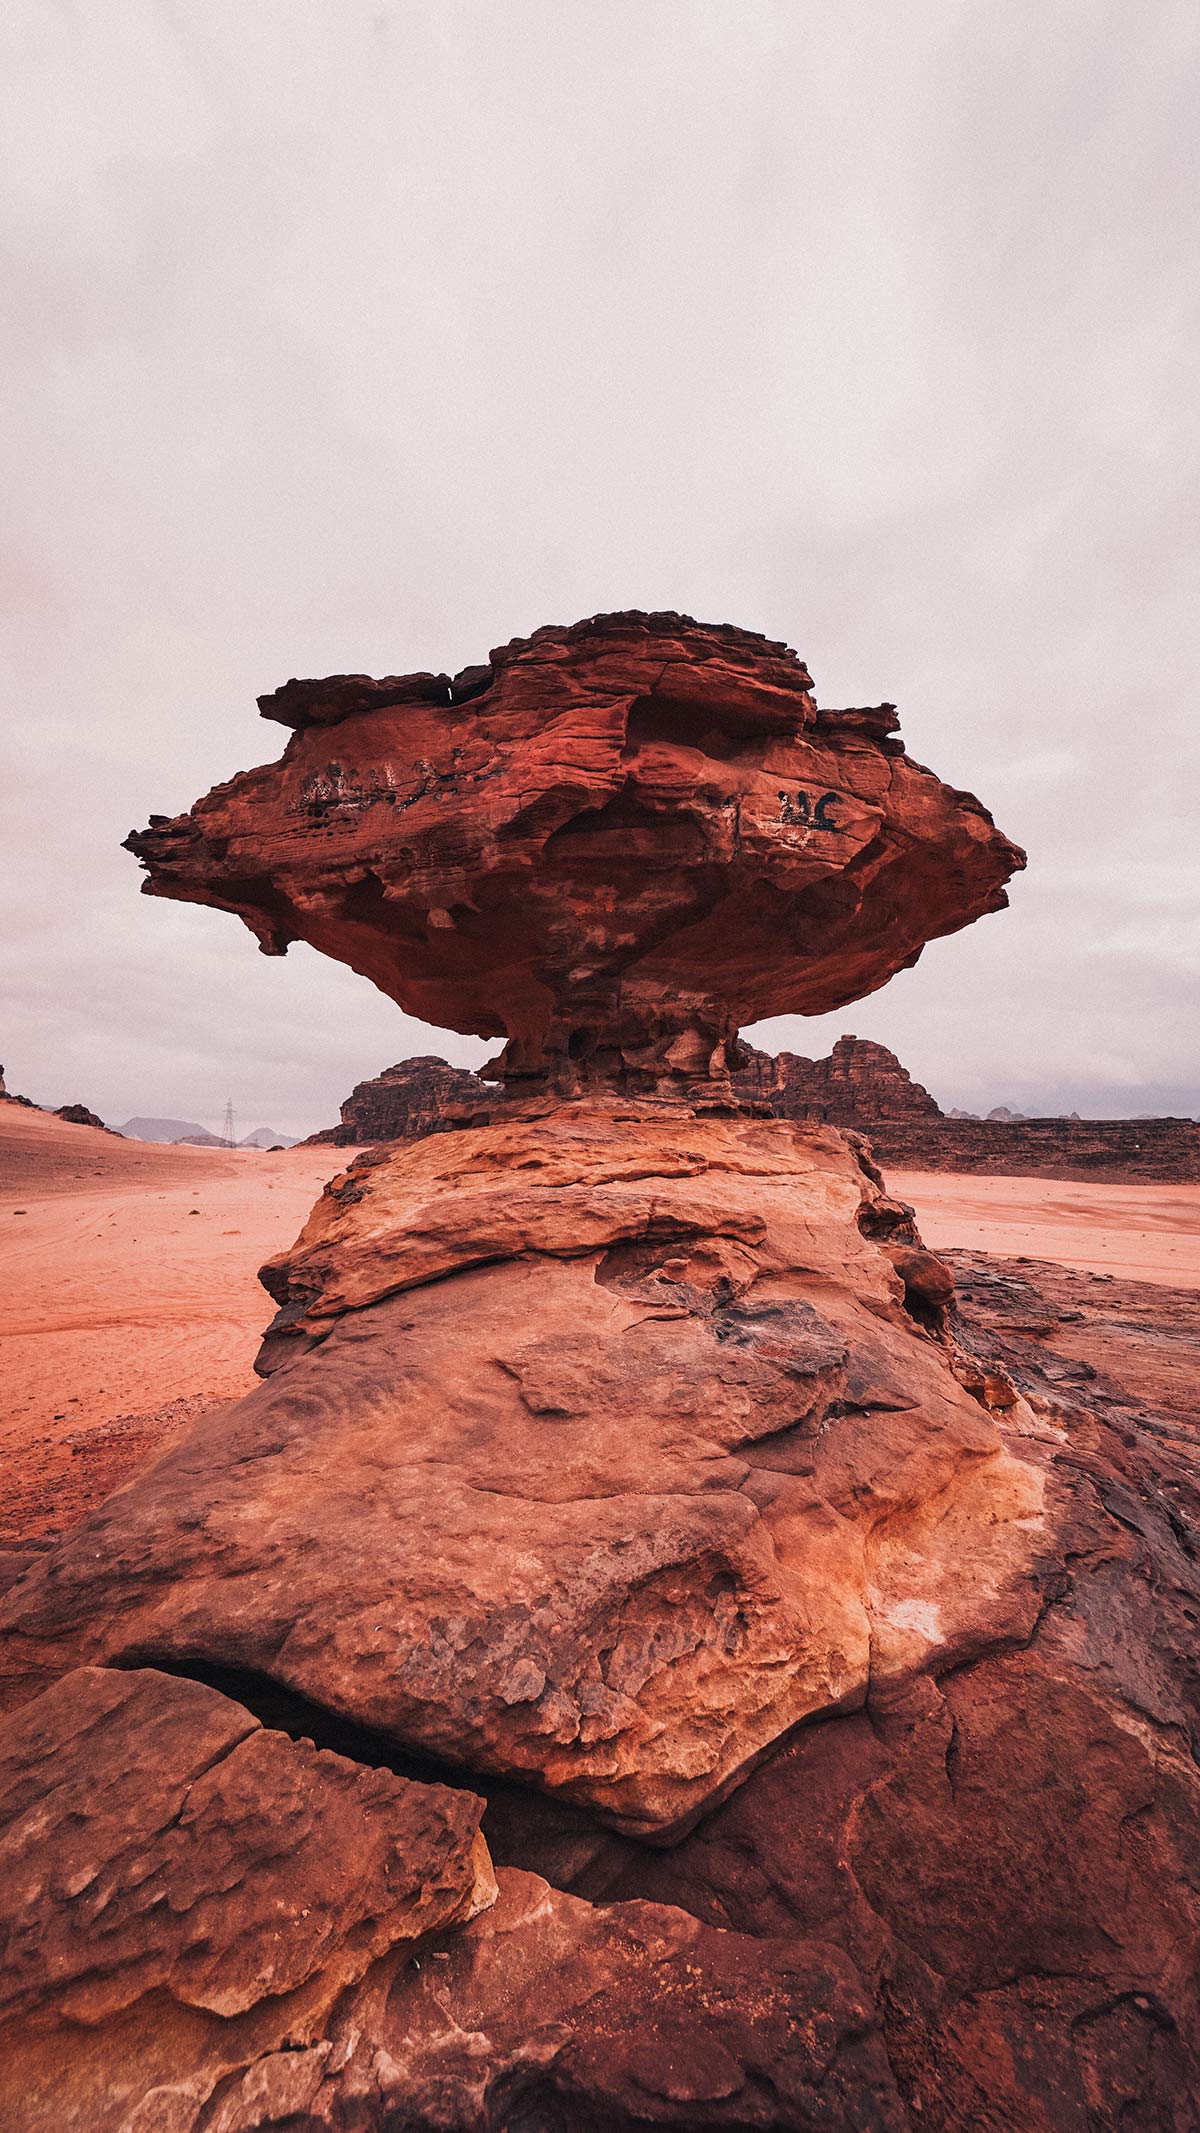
(1136,1232)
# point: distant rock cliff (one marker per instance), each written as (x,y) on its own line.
(405,1102)
(859,1083)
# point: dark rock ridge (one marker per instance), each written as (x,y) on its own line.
(74,1114)
(1166,1150)
(407,1101)
(861,1085)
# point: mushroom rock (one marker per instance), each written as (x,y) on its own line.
(612,845)
(607,1440)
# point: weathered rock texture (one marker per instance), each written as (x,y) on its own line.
(1008,1851)
(606,1449)
(1131,1348)
(407,1101)
(827,1666)
(612,845)
(184,1892)
(557,2016)
(859,1085)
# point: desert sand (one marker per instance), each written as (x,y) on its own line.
(131,1301)
(1137,1232)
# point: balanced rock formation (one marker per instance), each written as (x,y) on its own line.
(623,1462)
(612,845)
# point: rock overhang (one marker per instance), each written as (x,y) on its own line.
(613,845)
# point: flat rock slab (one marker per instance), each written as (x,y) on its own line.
(183,1891)
(609,1513)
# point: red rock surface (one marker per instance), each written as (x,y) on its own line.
(613,845)
(436,1520)
(407,1101)
(632,1461)
(1007,1852)
(859,1084)
(549,2014)
(184,1892)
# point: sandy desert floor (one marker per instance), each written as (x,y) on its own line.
(131,1303)
(1135,1232)
(128,1273)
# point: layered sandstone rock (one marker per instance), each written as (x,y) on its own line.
(599,1450)
(613,845)
(184,1893)
(859,1085)
(627,1462)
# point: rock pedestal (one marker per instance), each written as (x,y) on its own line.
(639,1657)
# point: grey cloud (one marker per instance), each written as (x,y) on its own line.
(363,336)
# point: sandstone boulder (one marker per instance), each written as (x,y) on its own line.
(604,1450)
(612,845)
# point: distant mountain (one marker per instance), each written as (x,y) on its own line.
(160,1129)
(1005,1116)
(186,1129)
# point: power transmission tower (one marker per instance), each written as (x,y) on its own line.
(227,1130)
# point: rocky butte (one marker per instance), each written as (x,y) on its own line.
(638,1658)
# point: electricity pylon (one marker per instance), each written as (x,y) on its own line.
(227,1129)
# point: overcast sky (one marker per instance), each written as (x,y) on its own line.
(362,337)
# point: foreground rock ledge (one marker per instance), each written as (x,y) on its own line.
(185,1893)
(606,1447)
(213,1929)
